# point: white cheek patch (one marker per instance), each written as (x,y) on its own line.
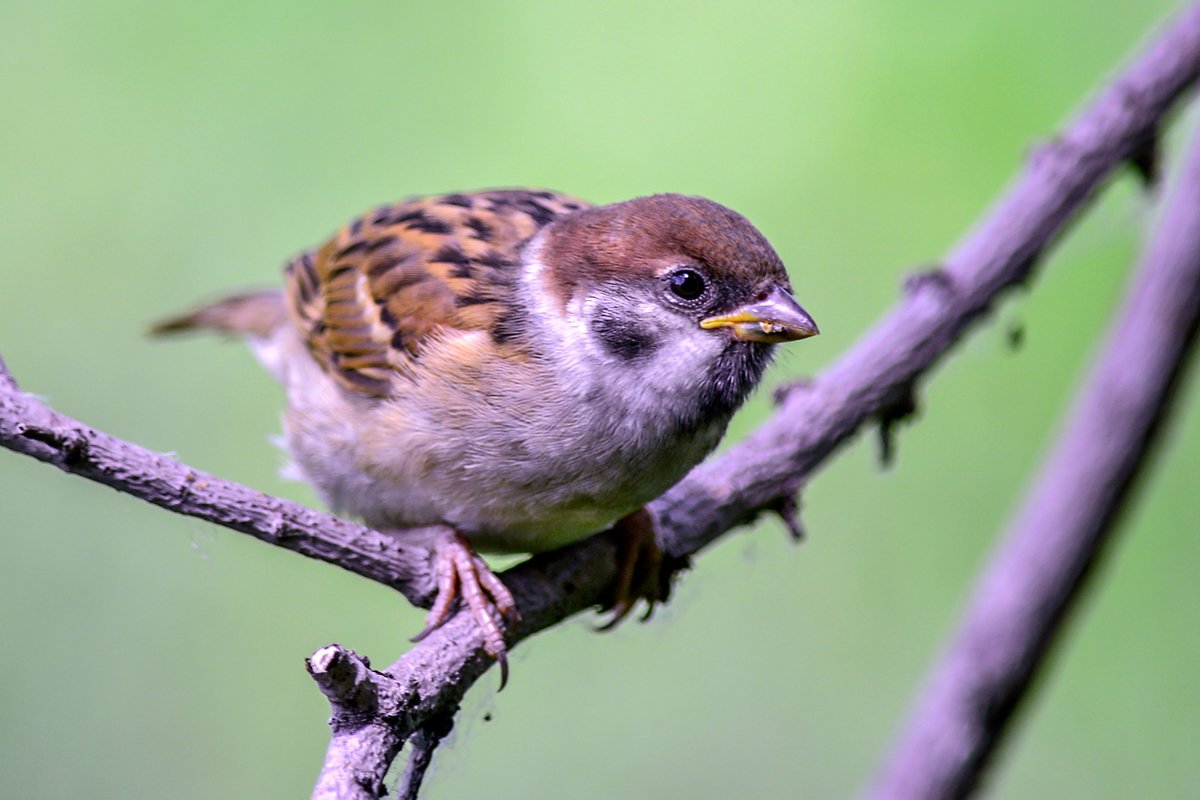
(565,328)
(684,360)
(674,371)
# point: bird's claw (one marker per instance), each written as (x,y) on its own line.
(639,569)
(464,576)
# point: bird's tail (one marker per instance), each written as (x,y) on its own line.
(254,314)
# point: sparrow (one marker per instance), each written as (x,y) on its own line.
(515,370)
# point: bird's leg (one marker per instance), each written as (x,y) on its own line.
(639,568)
(462,575)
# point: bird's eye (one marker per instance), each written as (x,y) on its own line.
(686,284)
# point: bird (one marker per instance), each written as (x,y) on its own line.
(515,370)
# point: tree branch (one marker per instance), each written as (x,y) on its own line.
(28,426)
(1024,597)
(874,380)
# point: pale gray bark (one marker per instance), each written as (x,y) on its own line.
(1034,579)
(374,713)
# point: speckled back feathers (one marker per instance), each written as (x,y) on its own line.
(368,299)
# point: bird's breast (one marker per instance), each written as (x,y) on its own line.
(515,453)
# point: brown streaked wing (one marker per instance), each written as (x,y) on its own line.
(369,298)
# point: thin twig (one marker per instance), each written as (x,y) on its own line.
(874,380)
(423,743)
(28,426)
(1027,592)
(877,374)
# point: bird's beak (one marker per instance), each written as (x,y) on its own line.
(774,318)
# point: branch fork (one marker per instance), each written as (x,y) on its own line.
(414,700)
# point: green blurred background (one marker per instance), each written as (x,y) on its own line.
(154,154)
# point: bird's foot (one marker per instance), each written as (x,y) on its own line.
(639,568)
(462,575)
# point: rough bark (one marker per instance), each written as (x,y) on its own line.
(374,713)
(1037,574)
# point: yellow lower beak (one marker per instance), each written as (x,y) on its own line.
(775,318)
